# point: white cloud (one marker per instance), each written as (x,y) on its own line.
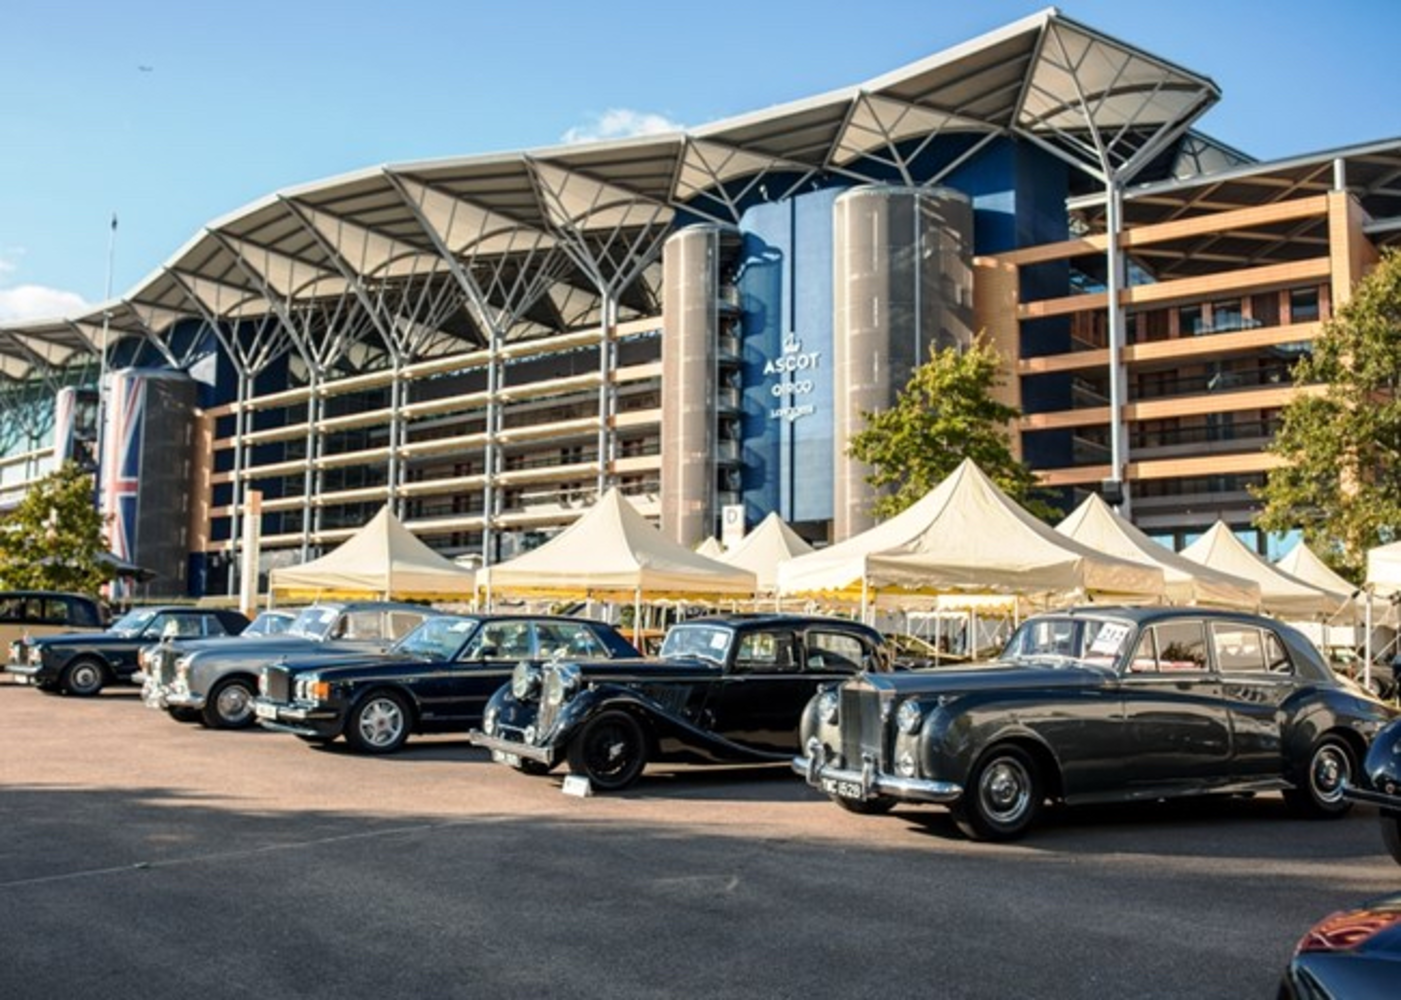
(620,123)
(37,302)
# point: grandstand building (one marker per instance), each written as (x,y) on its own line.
(701,318)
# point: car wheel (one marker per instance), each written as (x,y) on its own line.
(1003,797)
(1330,767)
(877,806)
(182,714)
(1391,834)
(83,678)
(611,751)
(229,705)
(378,724)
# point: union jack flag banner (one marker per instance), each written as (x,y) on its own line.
(121,465)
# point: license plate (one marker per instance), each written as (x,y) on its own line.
(509,759)
(265,711)
(22,679)
(843,789)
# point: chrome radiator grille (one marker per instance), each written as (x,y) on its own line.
(278,682)
(862,731)
(161,664)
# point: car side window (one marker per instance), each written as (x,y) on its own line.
(1277,659)
(362,625)
(1181,646)
(1237,647)
(214,625)
(55,611)
(765,652)
(568,640)
(828,651)
(84,614)
(501,641)
(1145,657)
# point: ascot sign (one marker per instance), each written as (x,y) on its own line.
(792,383)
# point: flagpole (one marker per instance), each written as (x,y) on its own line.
(102,371)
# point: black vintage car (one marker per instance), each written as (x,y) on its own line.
(83,663)
(724,690)
(1097,705)
(1354,954)
(1380,784)
(436,679)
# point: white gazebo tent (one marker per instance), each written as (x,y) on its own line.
(1302,562)
(1096,525)
(613,553)
(1281,593)
(711,548)
(965,535)
(383,560)
(761,551)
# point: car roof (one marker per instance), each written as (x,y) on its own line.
(1145,614)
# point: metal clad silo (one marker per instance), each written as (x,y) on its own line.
(690,332)
(147,441)
(902,260)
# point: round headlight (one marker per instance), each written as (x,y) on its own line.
(827,708)
(489,721)
(909,717)
(560,683)
(525,681)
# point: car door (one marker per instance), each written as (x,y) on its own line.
(1177,727)
(758,701)
(1257,677)
(456,692)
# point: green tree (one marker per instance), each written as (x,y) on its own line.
(53,539)
(945,414)
(1341,444)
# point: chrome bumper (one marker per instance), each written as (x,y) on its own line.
(1392,802)
(526,751)
(868,783)
(184,699)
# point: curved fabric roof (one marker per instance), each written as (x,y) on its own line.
(535,242)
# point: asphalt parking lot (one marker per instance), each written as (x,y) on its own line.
(144,858)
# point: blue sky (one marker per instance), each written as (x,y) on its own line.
(172,115)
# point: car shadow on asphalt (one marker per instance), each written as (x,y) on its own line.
(1158,827)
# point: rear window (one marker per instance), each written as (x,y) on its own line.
(72,611)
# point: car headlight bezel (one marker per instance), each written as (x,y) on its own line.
(560,683)
(909,717)
(525,681)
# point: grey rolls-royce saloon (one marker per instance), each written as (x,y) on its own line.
(215,682)
(1097,705)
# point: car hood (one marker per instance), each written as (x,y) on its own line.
(80,639)
(997,676)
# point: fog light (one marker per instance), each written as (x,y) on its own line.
(489,722)
(529,734)
(906,765)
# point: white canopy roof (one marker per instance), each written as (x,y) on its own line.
(382,559)
(613,551)
(1096,525)
(1280,593)
(1384,568)
(764,548)
(1302,562)
(710,548)
(966,535)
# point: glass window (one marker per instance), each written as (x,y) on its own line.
(703,641)
(1276,655)
(84,614)
(1189,320)
(1145,657)
(438,639)
(361,625)
(1181,646)
(1303,305)
(401,623)
(55,611)
(567,639)
(1237,647)
(1226,316)
(502,641)
(835,651)
(765,652)
(210,625)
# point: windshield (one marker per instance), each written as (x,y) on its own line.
(133,622)
(314,623)
(1069,639)
(438,638)
(706,642)
(268,624)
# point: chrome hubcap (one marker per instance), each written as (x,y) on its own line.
(1005,789)
(1330,768)
(233,703)
(381,722)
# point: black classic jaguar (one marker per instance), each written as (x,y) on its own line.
(436,679)
(1097,705)
(724,690)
